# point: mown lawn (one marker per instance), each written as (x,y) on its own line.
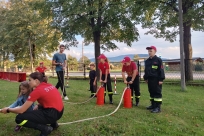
(182,113)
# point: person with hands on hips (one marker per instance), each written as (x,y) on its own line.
(60,61)
(105,76)
(154,76)
(48,111)
(132,79)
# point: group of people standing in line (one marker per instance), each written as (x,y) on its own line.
(44,115)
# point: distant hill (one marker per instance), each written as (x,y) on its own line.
(120,58)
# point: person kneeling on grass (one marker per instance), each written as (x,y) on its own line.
(48,111)
(24,92)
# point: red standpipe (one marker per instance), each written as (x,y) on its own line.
(100,96)
(127,98)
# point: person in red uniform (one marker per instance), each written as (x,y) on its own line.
(42,70)
(105,75)
(132,79)
(48,111)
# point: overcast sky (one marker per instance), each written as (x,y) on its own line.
(165,48)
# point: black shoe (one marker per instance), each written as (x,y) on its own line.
(54,126)
(91,96)
(156,110)
(46,131)
(137,104)
(110,102)
(151,107)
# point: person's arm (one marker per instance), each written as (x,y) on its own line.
(100,76)
(36,69)
(123,75)
(17,110)
(15,104)
(161,72)
(45,69)
(54,61)
(145,76)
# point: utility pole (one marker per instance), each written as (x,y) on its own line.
(83,65)
(83,52)
(182,65)
(31,58)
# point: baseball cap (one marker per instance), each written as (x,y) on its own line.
(152,47)
(41,62)
(126,59)
(102,56)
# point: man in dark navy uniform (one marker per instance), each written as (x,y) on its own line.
(154,76)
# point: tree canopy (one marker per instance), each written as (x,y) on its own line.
(21,22)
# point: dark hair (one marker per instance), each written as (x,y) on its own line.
(26,85)
(61,45)
(37,75)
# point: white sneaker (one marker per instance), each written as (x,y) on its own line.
(66,98)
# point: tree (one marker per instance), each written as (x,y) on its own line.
(86,61)
(98,21)
(72,62)
(20,23)
(136,57)
(161,16)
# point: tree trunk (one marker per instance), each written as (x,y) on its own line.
(188,53)
(97,37)
(187,42)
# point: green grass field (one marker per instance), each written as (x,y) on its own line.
(182,113)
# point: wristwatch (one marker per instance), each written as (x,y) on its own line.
(7,110)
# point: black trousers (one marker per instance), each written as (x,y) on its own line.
(60,83)
(41,116)
(108,84)
(92,87)
(135,87)
(155,90)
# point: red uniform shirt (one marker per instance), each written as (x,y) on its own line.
(47,96)
(41,69)
(103,67)
(129,69)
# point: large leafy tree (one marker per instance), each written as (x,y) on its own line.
(100,21)
(72,63)
(161,17)
(22,25)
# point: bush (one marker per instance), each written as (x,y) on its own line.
(198,67)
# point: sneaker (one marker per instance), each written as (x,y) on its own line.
(66,98)
(18,128)
(47,131)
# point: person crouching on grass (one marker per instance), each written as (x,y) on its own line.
(24,92)
(133,78)
(105,76)
(93,79)
(48,111)
(154,76)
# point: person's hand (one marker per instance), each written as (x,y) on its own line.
(94,83)
(4,110)
(105,81)
(36,107)
(130,82)
(101,81)
(146,81)
(160,82)
(125,82)
(63,68)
